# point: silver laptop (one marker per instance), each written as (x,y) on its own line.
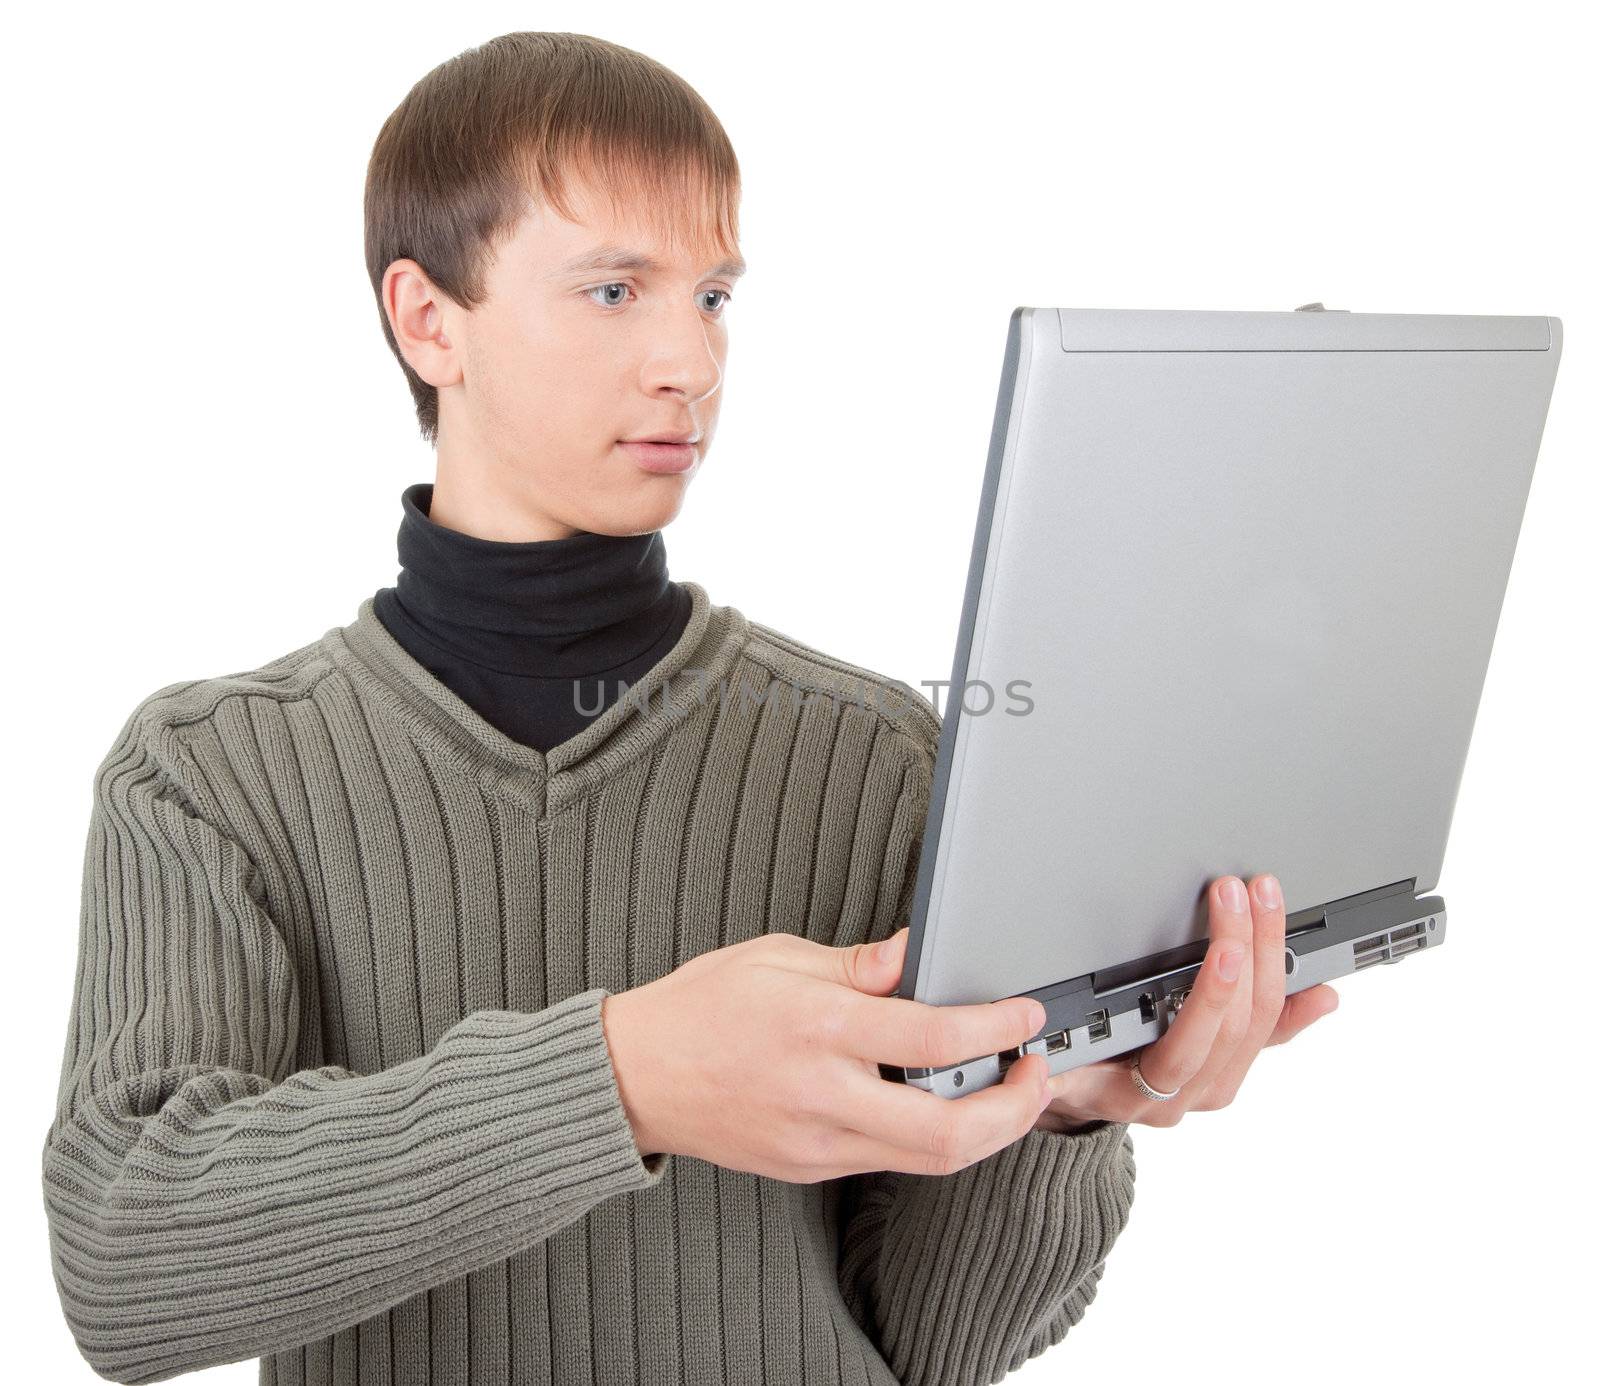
(1230,606)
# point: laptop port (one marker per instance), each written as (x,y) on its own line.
(1147,1006)
(1099,1025)
(1054,1044)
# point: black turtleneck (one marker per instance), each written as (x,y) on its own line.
(538,638)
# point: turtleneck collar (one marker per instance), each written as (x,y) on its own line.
(560,608)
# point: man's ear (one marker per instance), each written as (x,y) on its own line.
(416,308)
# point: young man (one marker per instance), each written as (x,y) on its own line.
(446,1015)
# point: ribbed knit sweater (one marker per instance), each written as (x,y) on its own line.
(336,1092)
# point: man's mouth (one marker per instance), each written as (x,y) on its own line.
(662,455)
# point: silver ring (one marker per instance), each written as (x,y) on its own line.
(1152,1093)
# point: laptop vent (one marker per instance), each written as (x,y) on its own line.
(1392,945)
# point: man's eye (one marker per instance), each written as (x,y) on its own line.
(603,288)
(721,297)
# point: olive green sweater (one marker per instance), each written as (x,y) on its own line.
(336,1092)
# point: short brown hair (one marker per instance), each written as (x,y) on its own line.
(516,118)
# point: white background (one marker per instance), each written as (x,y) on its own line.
(208,439)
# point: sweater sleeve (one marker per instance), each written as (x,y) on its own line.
(960,1279)
(206,1200)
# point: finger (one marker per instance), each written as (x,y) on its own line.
(1267,970)
(893,1030)
(1099,1091)
(1301,1009)
(921,1133)
(1181,1053)
(873,968)
(1227,1068)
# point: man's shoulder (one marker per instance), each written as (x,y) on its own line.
(807,670)
(180,710)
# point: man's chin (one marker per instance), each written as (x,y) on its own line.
(653,504)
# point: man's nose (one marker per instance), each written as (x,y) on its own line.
(682,357)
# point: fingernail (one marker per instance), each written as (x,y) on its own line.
(1232,893)
(1270,891)
(1036,1014)
(1229,963)
(883,950)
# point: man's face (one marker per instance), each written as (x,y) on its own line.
(592,335)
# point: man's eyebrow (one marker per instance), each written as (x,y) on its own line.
(618,258)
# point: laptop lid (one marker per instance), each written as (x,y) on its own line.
(1230,604)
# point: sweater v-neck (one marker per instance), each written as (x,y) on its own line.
(689,675)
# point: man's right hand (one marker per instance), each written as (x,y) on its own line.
(764,1056)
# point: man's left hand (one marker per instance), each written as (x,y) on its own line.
(1236,1008)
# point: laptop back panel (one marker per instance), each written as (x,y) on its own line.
(1232,595)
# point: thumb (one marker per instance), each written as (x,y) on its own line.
(875,967)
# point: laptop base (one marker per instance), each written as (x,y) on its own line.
(1114,1011)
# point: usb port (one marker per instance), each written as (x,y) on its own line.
(1099,1025)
